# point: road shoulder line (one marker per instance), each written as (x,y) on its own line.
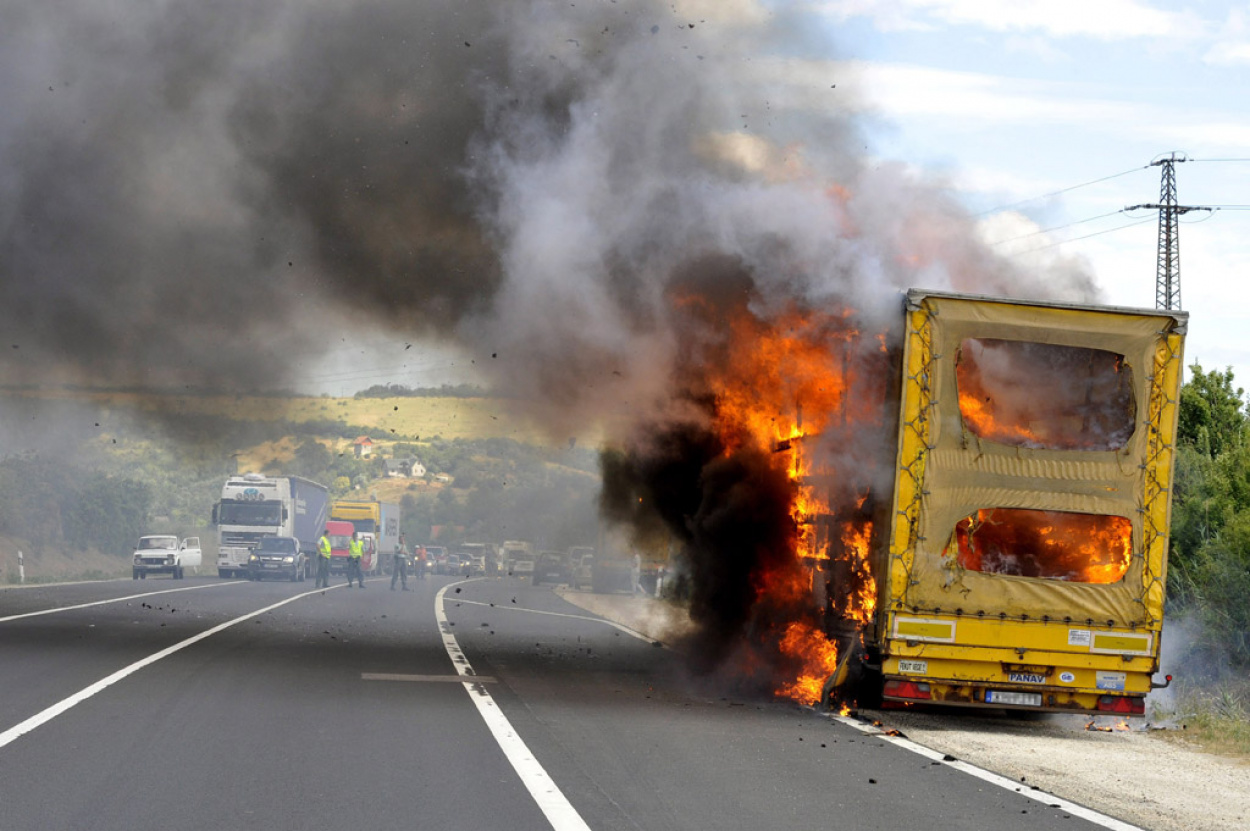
(114,600)
(43,717)
(633,633)
(1035,794)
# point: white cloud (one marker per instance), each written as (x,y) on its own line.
(1037,47)
(1232,44)
(902,91)
(1103,20)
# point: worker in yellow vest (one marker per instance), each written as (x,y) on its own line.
(323,562)
(355,553)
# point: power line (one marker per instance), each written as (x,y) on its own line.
(1058,227)
(1076,239)
(1063,190)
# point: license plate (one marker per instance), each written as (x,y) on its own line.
(271,565)
(1017,698)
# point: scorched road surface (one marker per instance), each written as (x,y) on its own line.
(343,709)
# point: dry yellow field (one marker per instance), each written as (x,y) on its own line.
(383,417)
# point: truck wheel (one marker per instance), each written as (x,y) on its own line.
(177,573)
(134,574)
(295,573)
(223,573)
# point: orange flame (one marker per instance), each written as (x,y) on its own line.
(1058,545)
(1044,396)
(783,383)
(818,656)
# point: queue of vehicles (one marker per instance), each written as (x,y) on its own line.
(269,527)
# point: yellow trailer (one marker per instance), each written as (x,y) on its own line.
(1025,549)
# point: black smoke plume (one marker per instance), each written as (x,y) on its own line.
(209,195)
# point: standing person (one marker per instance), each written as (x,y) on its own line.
(400,569)
(422,557)
(323,562)
(355,552)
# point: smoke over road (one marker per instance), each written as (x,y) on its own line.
(587,197)
(195,196)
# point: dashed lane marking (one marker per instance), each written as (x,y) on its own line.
(390,676)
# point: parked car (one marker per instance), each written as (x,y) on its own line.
(612,575)
(522,566)
(277,557)
(550,568)
(164,554)
(435,558)
(581,566)
(451,565)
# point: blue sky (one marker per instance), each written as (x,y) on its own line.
(1015,100)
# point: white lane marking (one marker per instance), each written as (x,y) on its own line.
(550,799)
(390,676)
(14,733)
(1048,799)
(634,633)
(115,600)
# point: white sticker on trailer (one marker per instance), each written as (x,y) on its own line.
(913,667)
(1079,637)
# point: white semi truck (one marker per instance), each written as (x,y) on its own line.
(253,506)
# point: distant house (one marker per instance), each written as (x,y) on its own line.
(363,447)
(406,468)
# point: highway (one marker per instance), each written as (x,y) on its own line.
(482,704)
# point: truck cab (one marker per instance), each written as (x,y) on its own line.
(340,534)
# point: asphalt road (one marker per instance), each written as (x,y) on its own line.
(344,709)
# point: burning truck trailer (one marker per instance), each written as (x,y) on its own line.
(1020,560)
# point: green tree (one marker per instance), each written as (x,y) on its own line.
(311,460)
(1212,411)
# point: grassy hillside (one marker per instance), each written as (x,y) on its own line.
(447,417)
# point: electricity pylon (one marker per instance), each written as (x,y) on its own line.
(1168,273)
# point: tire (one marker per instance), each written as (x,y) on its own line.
(223,573)
(177,572)
(134,574)
(295,572)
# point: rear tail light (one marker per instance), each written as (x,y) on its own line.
(895,688)
(1129,705)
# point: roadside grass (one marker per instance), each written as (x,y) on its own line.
(1215,719)
(12,577)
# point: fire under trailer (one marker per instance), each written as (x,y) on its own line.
(1020,561)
